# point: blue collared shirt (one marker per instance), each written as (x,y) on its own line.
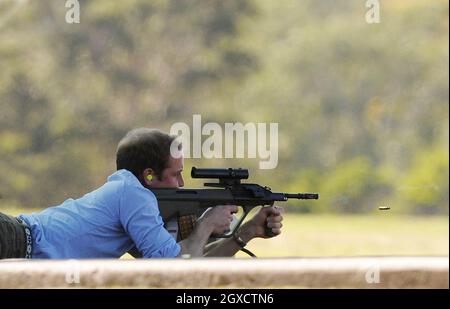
(105,223)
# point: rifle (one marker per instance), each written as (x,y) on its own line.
(174,203)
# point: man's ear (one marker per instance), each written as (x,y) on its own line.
(148,176)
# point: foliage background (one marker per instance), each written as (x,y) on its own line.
(362,108)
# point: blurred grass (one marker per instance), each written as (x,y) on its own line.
(351,235)
(348,235)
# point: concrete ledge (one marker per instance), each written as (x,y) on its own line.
(351,272)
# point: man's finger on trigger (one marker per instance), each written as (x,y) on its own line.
(232,208)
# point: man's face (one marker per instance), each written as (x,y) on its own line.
(172,176)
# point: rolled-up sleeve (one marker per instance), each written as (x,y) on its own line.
(140,218)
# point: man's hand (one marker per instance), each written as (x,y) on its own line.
(219,218)
(215,220)
(266,217)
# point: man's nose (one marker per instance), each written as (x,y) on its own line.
(180,182)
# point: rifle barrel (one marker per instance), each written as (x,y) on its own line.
(303,196)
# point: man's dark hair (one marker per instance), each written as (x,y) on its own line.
(144,148)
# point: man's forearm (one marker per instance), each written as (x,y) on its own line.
(227,246)
(222,247)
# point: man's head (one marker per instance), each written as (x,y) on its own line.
(146,153)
